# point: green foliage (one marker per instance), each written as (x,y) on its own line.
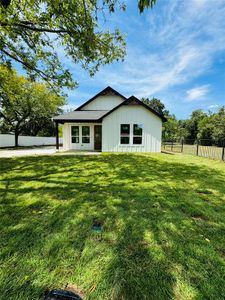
(24,103)
(205,126)
(170,128)
(39,126)
(213,126)
(193,122)
(155,104)
(145,4)
(163,226)
(200,125)
(32,30)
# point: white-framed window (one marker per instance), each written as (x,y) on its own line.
(85,134)
(124,134)
(137,134)
(131,134)
(75,134)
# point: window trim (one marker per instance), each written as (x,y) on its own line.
(75,136)
(125,135)
(131,135)
(136,135)
(85,136)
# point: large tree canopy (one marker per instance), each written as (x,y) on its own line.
(24,103)
(32,30)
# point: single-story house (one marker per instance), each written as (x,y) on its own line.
(110,122)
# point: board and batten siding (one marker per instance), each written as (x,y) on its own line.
(128,114)
(103,103)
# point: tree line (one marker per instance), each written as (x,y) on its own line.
(207,126)
(26,106)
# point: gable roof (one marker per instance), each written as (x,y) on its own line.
(104,92)
(79,115)
(135,101)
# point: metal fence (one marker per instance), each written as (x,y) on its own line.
(202,147)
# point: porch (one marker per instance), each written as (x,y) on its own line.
(82,136)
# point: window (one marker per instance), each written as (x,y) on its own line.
(86,134)
(75,134)
(124,133)
(137,134)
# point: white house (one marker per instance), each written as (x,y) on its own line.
(110,122)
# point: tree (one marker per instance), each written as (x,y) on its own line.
(170,128)
(182,131)
(39,126)
(32,30)
(212,127)
(156,104)
(192,124)
(23,101)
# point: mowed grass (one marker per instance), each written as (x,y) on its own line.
(163,220)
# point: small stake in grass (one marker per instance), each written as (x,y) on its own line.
(97,228)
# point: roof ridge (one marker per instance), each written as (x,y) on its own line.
(99,94)
(139,102)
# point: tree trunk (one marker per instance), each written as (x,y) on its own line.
(16,138)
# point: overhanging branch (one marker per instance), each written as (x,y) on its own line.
(37,29)
(27,65)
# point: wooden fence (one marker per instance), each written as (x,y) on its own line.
(205,148)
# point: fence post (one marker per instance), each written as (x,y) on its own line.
(197,148)
(182,145)
(172,146)
(223,151)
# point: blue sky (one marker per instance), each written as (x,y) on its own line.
(175,52)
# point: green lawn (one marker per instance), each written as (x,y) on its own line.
(163,218)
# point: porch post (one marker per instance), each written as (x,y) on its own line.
(57,135)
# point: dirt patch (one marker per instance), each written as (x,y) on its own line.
(75,289)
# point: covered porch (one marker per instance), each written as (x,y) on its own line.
(82,130)
(82,136)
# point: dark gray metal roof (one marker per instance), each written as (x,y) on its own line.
(81,115)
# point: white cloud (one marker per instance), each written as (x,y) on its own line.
(179,45)
(197,93)
(213,106)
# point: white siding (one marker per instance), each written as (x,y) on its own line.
(66,136)
(104,103)
(152,130)
(67,143)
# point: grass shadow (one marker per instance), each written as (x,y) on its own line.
(163,222)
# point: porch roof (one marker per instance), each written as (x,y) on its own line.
(81,116)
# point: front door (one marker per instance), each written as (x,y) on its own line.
(98,137)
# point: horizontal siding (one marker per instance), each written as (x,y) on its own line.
(152,130)
(103,103)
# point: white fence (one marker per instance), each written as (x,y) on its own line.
(8,140)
